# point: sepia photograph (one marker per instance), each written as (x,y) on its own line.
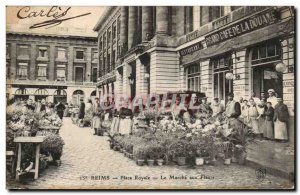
(150,97)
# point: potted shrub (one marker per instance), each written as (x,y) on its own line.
(180,152)
(199,159)
(227,153)
(139,154)
(150,150)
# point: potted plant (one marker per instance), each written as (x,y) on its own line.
(180,152)
(150,150)
(227,153)
(139,154)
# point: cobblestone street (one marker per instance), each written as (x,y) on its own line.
(86,155)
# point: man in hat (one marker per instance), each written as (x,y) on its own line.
(204,106)
(233,108)
(281,118)
(272,98)
(96,113)
(59,107)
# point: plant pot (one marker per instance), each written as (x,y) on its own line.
(207,161)
(227,161)
(150,162)
(140,162)
(115,148)
(181,161)
(160,162)
(199,161)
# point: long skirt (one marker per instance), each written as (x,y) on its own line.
(280,130)
(261,125)
(269,129)
(254,125)
(114,125)
(96,122)
(125,126)
(66,112)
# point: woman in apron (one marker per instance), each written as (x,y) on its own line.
(96,113)
(253,115)
(125,119)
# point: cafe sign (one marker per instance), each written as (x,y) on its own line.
(245,26)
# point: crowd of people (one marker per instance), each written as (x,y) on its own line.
(42,106)
(267,117)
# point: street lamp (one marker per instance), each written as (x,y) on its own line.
(280,67)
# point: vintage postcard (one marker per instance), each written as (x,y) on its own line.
(150,97)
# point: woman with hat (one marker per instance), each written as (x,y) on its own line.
(272,98)
(281,117)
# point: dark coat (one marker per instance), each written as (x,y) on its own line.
(43,107)
(281,113)
(81,110)
(125,112)
(269,114)
(60,110)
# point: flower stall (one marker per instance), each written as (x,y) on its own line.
(23,124)
(202,140)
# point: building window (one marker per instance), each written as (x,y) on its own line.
(80,55)
(43,53)
(94,55)
(104,65)
(104,41)
(94,75)
(266,52)
(118,27)
(42,72)
(188,19)
(193,77)
(22,70)
(100,44)
(221,66)
(215,12)
(113,59)
(61,73)
(61,53)
(108,63)
(23,51)
(114,31)
(100,67)
(108,37)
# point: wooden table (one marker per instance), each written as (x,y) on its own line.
(35,140)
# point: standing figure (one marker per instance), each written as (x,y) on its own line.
(272,98)
(60,109)
(269,125)
(43,105)
(38,106)
(281,118)
(245,112)
(125,119)
(81,112)
(96,116)
(217,108)
(253,119)
(30,105)
(256,99)
(261,109)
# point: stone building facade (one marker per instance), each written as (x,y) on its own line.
(51,67)
(210,49)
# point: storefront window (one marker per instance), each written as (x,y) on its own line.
(221,66)
(193,77)
(263,73)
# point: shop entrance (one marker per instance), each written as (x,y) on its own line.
(265,77)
